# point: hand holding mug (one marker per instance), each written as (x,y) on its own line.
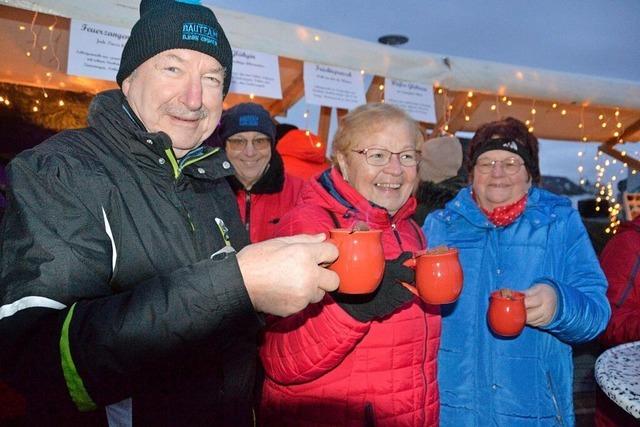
(506,315)
(540,301)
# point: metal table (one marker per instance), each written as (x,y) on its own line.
(617,373)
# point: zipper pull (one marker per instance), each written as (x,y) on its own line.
(224,231)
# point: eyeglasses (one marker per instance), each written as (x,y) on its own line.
(510,166)
(239,144)
(382,157)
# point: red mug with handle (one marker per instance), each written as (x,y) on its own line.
(438,275)
(360,263)
(507,314)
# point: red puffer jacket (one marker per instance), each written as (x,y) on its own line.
(264,210)
(325,368)
(620,261)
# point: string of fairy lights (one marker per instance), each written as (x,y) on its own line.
(607,170)
(606,176)
(37,46)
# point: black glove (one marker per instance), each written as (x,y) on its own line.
(389,296)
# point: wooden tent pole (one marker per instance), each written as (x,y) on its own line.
(629,130)
(630,161)
(323,123)
(609,147)
(374,94)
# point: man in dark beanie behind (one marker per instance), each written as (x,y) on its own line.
(264,191)
(128,293)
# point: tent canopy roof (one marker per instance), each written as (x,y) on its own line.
(584,98)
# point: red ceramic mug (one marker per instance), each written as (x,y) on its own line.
(438,276)
(360,263)
(507,314)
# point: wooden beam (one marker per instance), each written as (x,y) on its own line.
(290,95)
(609,146)
(630,161)
(374,94)
(341,112)
(456,121)
(629,130)
(458,102)
(323,123)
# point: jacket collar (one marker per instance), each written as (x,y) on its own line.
(538,211)
(340,197)
(271,181)
(111,115)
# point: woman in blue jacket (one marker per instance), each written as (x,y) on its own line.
(512,234)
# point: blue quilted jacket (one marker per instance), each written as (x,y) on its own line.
(486,380)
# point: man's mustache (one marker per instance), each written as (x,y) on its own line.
(186,114)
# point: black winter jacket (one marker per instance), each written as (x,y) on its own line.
(107,289)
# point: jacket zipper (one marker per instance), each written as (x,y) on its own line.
(369,415)
(247,211)
(423,369)
(424,350)
(395,233)
(630,282)
(555,401)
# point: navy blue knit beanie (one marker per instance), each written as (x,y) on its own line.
(175,24)
(245,117)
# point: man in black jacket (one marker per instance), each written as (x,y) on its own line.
(128,293)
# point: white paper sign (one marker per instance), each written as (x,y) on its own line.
(415,98)
(333,86)
(255,73)
(95,49)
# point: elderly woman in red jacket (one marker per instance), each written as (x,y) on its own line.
(359,361)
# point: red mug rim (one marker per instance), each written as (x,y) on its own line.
(349,231)
(424,253)
(515,295)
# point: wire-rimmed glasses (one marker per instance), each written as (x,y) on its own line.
(510,166)
(382,157)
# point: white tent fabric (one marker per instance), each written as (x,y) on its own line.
(303,43)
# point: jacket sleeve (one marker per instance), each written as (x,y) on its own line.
(68,340)
(305,346)
(620,261)
(582,309)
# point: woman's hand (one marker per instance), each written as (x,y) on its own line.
(540,300)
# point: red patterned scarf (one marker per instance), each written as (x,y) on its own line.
(505,215)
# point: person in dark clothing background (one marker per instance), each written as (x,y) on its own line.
(440,162)
(128,292)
